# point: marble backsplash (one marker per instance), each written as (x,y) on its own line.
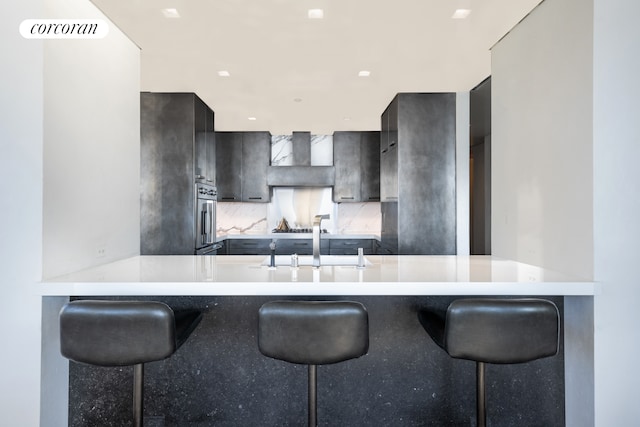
(299,205)
(259,218)
(321,150)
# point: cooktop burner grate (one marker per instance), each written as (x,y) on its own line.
(298,230)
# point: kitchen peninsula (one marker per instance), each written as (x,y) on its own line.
(387,275)
(220,378)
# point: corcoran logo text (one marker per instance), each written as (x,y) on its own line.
(63,28)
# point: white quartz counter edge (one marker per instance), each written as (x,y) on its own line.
(243,276)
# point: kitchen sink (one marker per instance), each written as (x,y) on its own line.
(325,260)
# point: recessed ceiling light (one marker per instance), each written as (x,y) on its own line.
(461,13)
(170,13)
(297,99)
(364,73)
(346,119)
(223,73)
(252,118)
(315,14)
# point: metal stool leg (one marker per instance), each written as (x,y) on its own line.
(481,408)
(138,394)
(313,395)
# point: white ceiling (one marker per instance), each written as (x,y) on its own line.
(275,55)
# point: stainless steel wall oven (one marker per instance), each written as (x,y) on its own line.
(205,220)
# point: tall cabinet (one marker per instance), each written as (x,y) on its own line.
(418,174)
(177,149)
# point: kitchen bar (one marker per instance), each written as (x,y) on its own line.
(219,378)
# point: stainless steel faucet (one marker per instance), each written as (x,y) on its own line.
(317,220)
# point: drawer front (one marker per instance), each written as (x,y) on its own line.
(300,246)
(248,246)
(350,246)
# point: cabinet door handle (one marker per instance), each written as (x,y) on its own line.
(347,198)
(255,198)
(227,198)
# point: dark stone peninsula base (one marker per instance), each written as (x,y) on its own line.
(219,378)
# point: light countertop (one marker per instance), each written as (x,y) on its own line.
(294,236)
(384,275)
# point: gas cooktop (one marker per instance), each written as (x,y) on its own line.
(297,230)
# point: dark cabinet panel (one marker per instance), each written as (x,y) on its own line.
(204,142)
(256,157)
(418,175)
(346,161)
(173,151)
(350,246)
(242,161)
(356,159)
(294,246)
(229,166)
(248,246)
(389,153)
(300,246)
(284,246)
(370,166)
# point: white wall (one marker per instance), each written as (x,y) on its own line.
(542,139)
(557,40)
(616,145)
(542,168)
(21,213)
(69,100)
(91,146)
(91,170)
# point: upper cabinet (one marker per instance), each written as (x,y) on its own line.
(389,154)
(256,158)
(229,166)
(242,161)
(205,149)
(356,158)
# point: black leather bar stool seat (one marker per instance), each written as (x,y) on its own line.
(123,333)
(313,333)
(500,331)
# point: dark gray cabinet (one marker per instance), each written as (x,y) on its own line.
(248,246)
(175,148)
(389,154)
(356,158)
(256,158)
(284,246)
(418,174)
(242,161)
(350,246)
(205,150)
(229,166)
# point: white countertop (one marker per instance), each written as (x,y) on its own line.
(294,236)
(386,275)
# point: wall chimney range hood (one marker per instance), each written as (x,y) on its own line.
(301,173)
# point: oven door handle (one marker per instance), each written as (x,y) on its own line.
(208,225)
(203,224)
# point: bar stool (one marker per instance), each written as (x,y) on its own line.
(123,333)
(500,331)
(313,333)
